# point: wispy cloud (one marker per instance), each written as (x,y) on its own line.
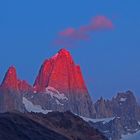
(98,23)
(71,35)
(74,34)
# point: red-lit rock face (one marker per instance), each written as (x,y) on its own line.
(11,81)
(61,73)
(58,76)
(58,72)
(23,86)
(80,81)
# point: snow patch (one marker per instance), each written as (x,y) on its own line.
(123,99)
(35,91)
(135,136)
(30,107)
(58,102)
(104,120)
(54,93)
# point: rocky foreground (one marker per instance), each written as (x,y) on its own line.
(53,126)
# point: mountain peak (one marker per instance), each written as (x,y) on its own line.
(61,78)
(12,69)
(64,51)
(10,79)
(61,73)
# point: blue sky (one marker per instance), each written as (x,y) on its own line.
(109,59)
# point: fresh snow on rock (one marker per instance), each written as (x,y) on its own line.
(104,120)
(55,93)
(30,107)
(35,91)
(55,56)
(123,99)
(135,136)
(58,102)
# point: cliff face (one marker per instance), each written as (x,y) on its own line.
(103,108)
(61,73)
(63,77)
(11,91)
(118,117)
(123,105)
(59,86)
(11,82)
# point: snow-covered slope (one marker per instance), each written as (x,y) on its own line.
(114,128)
(54,93)
(135,136)
(104,120)
(30,107)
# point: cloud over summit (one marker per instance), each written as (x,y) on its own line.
(71,35)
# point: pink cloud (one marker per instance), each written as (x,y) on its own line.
(74,34)
(98,23)
(68,32)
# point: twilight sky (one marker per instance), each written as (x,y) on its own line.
(102,36)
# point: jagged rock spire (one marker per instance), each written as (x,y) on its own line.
(61,73)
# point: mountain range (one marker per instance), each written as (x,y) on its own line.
(59,86)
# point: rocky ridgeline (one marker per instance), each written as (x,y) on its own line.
(125,113)
(59,86)
(123,105)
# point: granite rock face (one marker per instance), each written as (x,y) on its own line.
(117,127)
(11,82)
(61,73)
(124,104)
(10,100)
(10,93)
(60,86)
(126,112)
(103,108)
